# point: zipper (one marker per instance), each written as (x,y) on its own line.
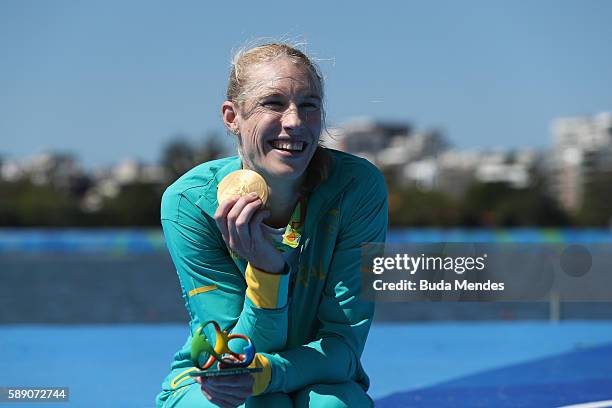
(306,240)
(293,277)
(326,207)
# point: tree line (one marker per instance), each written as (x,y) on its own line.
(24,203)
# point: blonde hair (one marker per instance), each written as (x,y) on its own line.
(240,90)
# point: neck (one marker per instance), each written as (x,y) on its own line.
(283,196)
(281,201)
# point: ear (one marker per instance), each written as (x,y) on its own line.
(230,115)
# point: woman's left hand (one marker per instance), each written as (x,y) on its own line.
(228,391)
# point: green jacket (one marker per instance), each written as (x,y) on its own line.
(310,325)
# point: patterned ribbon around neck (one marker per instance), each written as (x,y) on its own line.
(293,231)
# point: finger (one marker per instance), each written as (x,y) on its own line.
(231,401)
(230,404)
(225,206)
(237,386)
(232,357)
(232,395)
(218,401)
(222,398)
(221,403)
(243,224)
(206,394)
(229,359)
(232,216)
(232,381)
(221,216)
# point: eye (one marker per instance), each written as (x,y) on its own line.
(272,104)
(310,106)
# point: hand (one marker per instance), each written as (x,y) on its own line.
(228,391)
(239,220)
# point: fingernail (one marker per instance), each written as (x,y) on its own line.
(253,194)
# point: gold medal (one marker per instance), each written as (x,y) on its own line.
(242,182)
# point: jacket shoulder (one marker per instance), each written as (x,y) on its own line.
(363,171)
(192,185)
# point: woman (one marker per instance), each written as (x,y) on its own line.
(298,300)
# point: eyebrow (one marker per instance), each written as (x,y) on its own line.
(314,96)
(276,94)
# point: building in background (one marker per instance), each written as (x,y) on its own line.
(367,138)
(108,182)
(425,159)
(582,150)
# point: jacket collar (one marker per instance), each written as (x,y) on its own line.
(208,200)
(321,197)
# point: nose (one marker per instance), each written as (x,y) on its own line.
(292,120)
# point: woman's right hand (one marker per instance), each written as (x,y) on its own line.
(239,220)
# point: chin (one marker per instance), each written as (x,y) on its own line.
(287,172)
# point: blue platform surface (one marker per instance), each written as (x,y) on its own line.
(505,364)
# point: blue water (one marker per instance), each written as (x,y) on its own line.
(424,364)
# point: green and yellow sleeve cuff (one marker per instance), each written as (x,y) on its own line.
(263,378)
(266,290)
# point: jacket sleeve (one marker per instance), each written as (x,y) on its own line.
(345,318)
(212,285)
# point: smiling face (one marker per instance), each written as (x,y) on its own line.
(280,122)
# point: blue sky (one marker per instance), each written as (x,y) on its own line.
(114,79)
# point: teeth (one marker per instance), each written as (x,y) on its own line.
(279,144)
